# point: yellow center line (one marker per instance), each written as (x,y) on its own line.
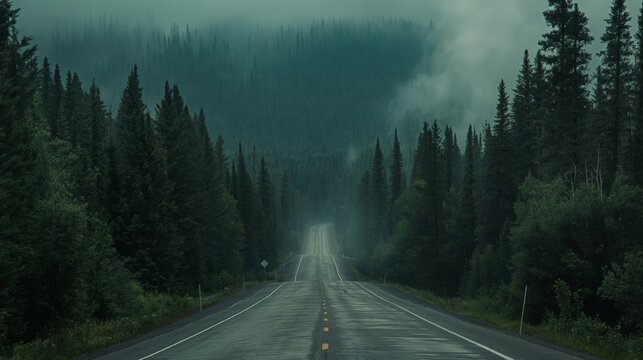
(325,347)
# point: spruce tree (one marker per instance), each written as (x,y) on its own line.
(618,83)
(398,181)
(54,110)
(637,151)
(19,185)
(364,216)
(379,196)
(522,116)
(246,204)
(268,207)
(285,201)
(467,211)
(498,187)
(45,84)
(144,223)
(564,51)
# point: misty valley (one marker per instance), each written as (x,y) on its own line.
(358,182)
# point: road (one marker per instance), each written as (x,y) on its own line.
(322,313)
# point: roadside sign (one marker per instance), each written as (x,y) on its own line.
(264,263)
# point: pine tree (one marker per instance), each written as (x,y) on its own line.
(178,137)
(637,151)
(564,50)
(144,224)
(617,72)
(246,203)
(467,211)
(364,216)
(379,196)
(73,127)
(19,186)
(523,129)
(398,181)
(268,207)
(54,111)
(45,85)
(498,188)
(95,151)
(285,201)
(539,115)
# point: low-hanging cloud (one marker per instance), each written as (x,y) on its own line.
(480,41)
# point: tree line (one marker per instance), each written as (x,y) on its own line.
(94,208)
(550,195)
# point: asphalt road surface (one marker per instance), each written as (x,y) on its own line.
(322,313)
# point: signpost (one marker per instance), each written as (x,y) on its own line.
(264,263)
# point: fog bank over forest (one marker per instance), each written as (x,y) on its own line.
(456,84)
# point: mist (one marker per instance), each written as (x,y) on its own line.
(480,42)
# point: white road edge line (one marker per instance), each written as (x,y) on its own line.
(215,325)
(438,326)
(336,268)
(298,265)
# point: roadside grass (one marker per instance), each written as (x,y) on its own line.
(584,334)
(154,311)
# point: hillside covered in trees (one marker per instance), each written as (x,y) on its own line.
(548,196)
(96,207)
(115,189)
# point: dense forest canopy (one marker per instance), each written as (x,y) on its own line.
(138,161)
(285,87)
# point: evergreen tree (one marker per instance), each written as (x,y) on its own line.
(45,85)
(285,213)
(268,207)
(177,137)
(19,183)
(95,151)
(467,211)
(245,202)
(540,114)
(498,188)
(144,226)
(637,151)
(379,196)
(398,179)
(618,76)
(73,127)
(364,216)
(523,129)
(564,50)
(54,111)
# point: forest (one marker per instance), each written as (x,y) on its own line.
(119,195)
(96,208)
(549,195)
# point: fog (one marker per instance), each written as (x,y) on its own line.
(482,41)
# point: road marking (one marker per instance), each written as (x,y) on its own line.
(438,326)
(325,312)
(234,304)
(213,326)
(325,347)
(325,328)
(336,268)
(325,319)
(298,265)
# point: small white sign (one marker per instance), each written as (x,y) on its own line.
(263,263)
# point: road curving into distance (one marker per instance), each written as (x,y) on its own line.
(323,313)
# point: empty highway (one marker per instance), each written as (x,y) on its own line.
(323,313)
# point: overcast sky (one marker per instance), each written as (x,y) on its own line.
(484,39)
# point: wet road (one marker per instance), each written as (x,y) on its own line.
(322,313)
